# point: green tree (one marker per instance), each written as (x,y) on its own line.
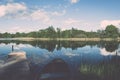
(32,34)
(50,32)
(111,31)
(101,33)
(6,35)
(58,32)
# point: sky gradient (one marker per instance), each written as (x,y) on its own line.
(30,15)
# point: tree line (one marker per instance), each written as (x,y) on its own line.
(111,31)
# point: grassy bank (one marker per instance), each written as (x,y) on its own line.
(62,39)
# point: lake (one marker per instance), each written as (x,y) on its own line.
(62,60)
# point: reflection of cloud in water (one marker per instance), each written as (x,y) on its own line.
(38,58)
(2,44)
(24,46)
(18,47)
(106,53)
(12,44)
(70,54)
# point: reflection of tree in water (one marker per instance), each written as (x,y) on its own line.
(111,46)
(49,45)
(53,44)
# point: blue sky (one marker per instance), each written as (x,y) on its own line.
(30,15)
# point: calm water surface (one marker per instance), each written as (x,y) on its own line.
(62,60)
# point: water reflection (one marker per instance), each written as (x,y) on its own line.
(57,69)
(63,60)
(106,70)
(111,46)
(51,45)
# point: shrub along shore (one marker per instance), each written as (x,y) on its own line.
(62,39)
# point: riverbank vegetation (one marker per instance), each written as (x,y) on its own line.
(111,31)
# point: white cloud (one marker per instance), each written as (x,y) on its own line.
(11,8)
(71,21)
(59,13)
(10,0)
(74,1)
(2,11)
(78,24)
(40,15)
(17,29)
(38,18)
(104,23)
(21,11)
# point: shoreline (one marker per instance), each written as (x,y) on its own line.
(62,39)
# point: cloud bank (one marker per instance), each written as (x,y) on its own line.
(105,23)
(11,8)
(74,1)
